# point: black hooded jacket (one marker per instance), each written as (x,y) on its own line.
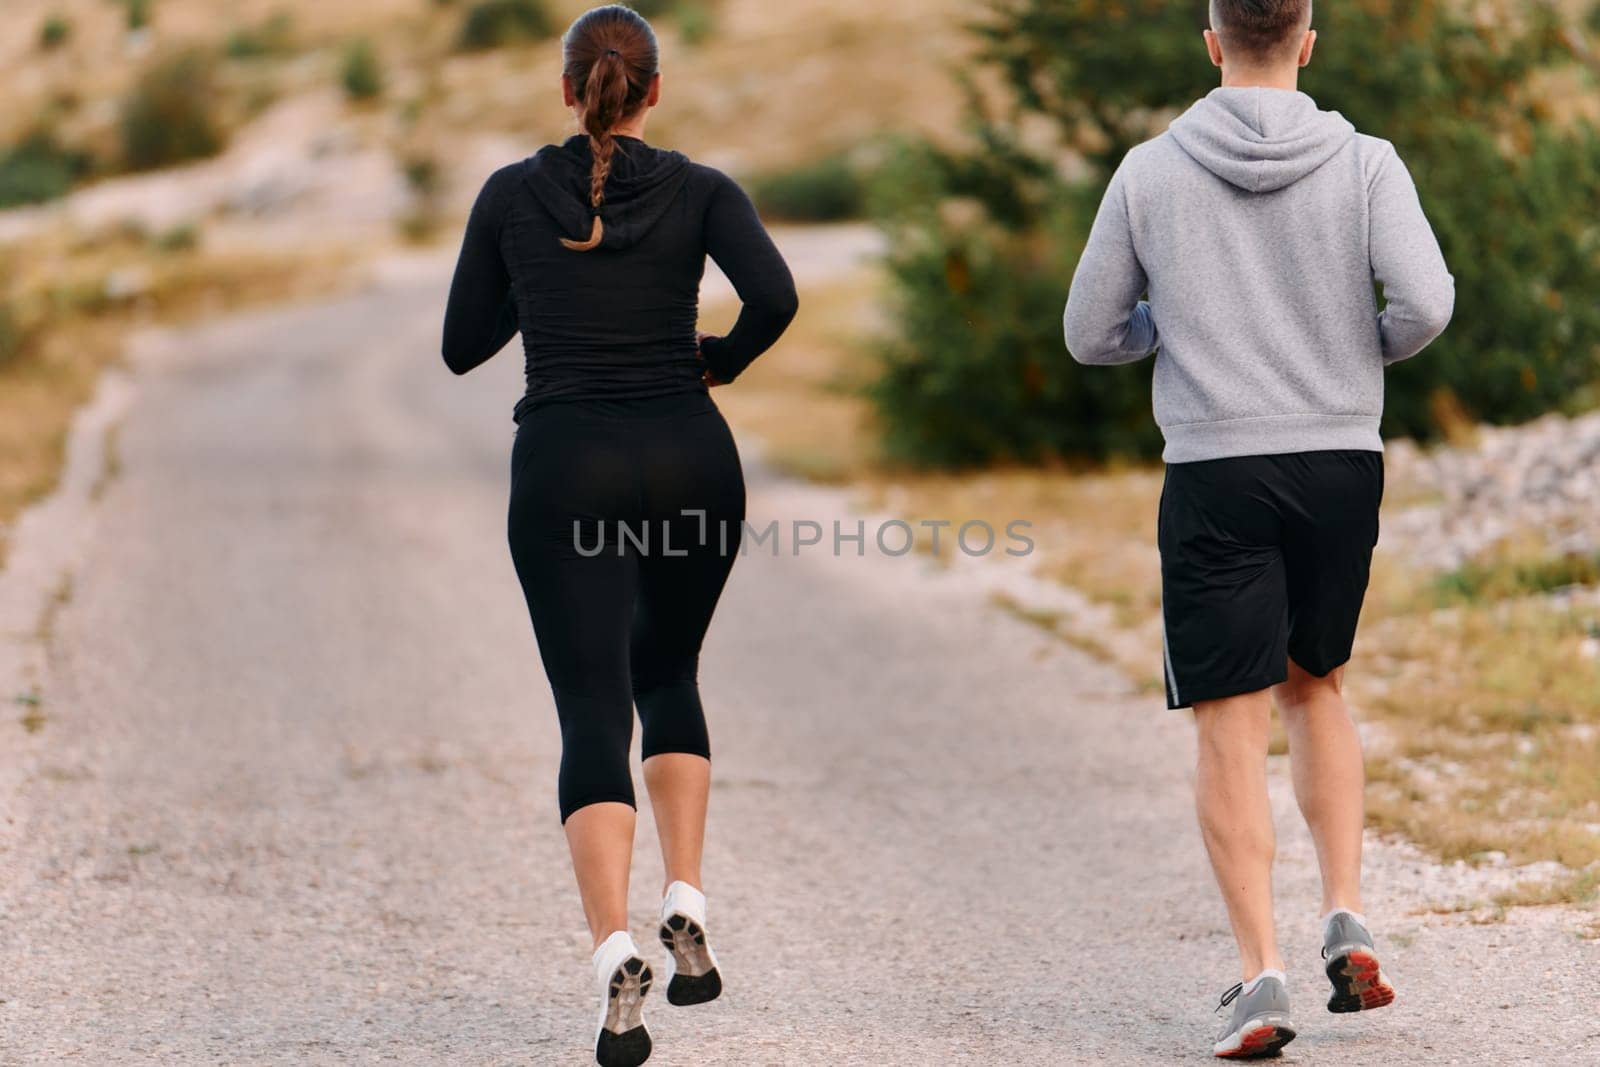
(617,322)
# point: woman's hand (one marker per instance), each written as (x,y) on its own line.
(705,375)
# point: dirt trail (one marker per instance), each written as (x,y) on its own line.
(292,796)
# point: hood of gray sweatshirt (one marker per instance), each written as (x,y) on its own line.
(1242,246)
(1260,140)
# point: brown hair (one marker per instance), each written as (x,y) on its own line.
(610,59)
(1259,29)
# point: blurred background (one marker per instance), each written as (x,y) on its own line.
(931,167)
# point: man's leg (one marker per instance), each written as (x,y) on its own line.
(1329,781)
(1236,819)
(1332,502)
(1325,751)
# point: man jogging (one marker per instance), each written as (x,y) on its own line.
(1256,226)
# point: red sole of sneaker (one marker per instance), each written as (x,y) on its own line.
(1259,1042)
(1358,984)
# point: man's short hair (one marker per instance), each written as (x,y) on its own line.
(1259,29)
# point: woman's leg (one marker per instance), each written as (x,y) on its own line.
(581,620)
(696,491)
(680,790)
(581,610)
(677,597)
(600,837)
(678,594)
(581,603)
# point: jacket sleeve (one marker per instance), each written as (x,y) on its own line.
(741,246)
(482,313)
(1106,322)
(1418,292)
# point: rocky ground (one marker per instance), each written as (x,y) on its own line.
(1539,481)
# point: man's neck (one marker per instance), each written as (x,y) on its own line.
(1261,79)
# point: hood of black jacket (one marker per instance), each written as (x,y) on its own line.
(644,182)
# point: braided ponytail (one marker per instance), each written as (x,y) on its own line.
(611,61)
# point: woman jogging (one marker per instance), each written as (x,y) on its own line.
(627,498)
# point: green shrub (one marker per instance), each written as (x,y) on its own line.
(138,14)
(697,24)
(11,339)
(419,224)
(1510,193)
(30,179)
(1491,579)
(38,168)
(273,37)
(497,23)
(827,190)
(244,44)
(696,20)
(55,31)
(184,237)
(423,175)
(976,372)
(169,116)
(361,74)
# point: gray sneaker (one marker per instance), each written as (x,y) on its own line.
(1260,1025)
(1358,982)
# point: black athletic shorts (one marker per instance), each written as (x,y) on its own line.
(1263,559)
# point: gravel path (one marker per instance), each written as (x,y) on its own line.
(290,795)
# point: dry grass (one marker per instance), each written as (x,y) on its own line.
(800,399)
(771,86)
(1491,713)
(77,301)
(1576,887)
(37,398)
(1488,709)
(1093,530)
(775,84)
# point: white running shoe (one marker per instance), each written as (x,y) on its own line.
(692,976)
(624,978)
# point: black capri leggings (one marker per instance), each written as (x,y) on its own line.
(625,521)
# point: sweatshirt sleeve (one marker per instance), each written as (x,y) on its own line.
(1106,322)
(1418,292)
(741,246)
(482,313)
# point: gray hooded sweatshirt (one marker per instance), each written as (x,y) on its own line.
(1256,225)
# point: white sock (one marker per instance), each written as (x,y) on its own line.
(612,951)
(1326,919)
(686,899)
(1250,986)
